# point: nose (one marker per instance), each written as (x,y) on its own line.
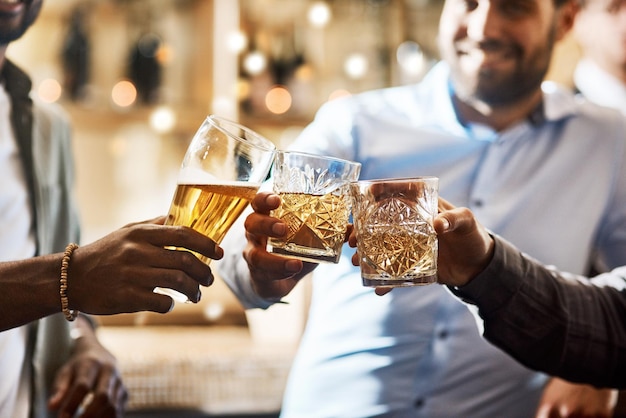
(620,11)
(484,22)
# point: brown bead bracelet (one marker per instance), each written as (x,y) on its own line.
(70,314)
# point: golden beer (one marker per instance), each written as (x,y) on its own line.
(316,226)
(210,209)
(223,168)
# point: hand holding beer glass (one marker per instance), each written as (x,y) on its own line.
(221,172)
(393,223)
(315,205)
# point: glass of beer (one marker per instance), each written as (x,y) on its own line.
(315,205)
(221,173)
(393,221)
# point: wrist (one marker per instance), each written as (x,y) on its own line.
(83,333)
(70,314)
(483,262)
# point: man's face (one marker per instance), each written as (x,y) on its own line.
(601,31)
(15,17)
(498,50)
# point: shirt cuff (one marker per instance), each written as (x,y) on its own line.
(239,281)
(500,280)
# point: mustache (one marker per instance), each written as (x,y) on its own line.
(489,45)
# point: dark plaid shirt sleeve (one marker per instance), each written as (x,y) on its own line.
(551,321)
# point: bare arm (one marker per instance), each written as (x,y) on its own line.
(116,274)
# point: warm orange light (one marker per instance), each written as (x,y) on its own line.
(339,93)
(165,54)
(124,93)
(304,73)
(243,89)
(49,90)
(278,100)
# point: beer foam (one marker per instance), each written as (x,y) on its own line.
(192,175)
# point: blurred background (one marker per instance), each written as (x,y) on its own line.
(137,78)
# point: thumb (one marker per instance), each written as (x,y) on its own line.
(60,389)
(442,224)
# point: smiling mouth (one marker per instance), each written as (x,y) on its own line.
(486,54)
(489,56)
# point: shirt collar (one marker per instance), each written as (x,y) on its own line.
(558,103)
(599,86)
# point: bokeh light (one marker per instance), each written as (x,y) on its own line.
(243,89)
(319,14)
(163,119)
(165,54)
(338,94)
(124,93)
(356,66)
(410,58)
(278,100)
(50,90)
(237,42)
(254,63)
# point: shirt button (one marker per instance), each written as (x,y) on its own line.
(477,203)
(442,335)
(418,403)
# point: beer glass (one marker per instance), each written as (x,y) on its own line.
(221,173)
(393,221)
(315,205)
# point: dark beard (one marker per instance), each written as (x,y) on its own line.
(502,91)
(32,11)
(10,36)
(511,90)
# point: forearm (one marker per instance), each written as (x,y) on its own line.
(29,290)
(558,326)
(84,333)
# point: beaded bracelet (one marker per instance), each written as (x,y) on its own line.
(70,314)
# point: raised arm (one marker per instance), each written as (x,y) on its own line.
(116,274)
(548,320)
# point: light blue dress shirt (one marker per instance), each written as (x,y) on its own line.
(554,185)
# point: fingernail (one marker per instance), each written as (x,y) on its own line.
(198,296)
(279,228)
(292,266)
(446,224)
(172,305)
(273,199)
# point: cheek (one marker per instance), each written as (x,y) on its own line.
(446,38)
(450,27)
(591,31)
(619,49)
